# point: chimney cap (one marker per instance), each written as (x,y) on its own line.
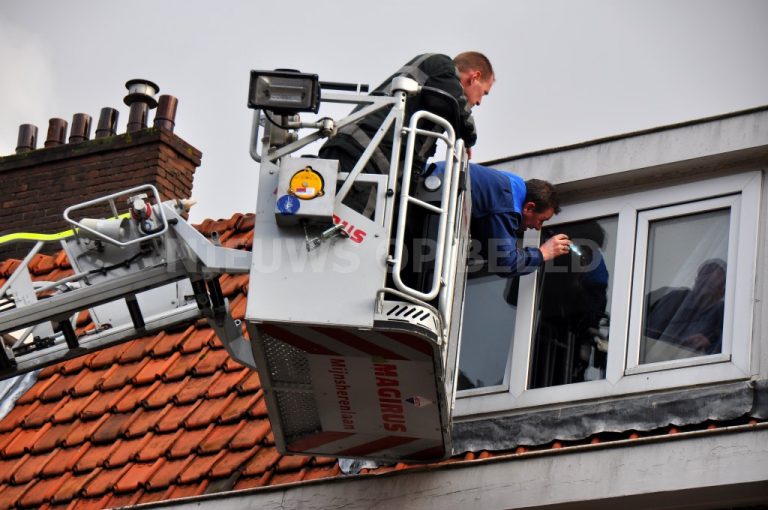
(140,90)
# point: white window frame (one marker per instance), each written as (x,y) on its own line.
(740,192)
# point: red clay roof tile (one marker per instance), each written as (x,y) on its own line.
(171,341)
(120,375)
(153,370)
(264,460)
(167,473)
(17,415)
(188,442)
(122,500)
(96,456)
(250,384)
(10,494)
(43,413)
(232,461)
(64,459)
(251,434)
(288,477)
(323,472)
(240,406)
(35,391)
(197,340)
(104,403)
(210,362)
(88,382)
(144,420)
(195,388)
(292,462)
(41,492)
(58,386)
(250,482)
(53,437)
(237,307)
(151,497)
(219,437)
(104,481)
(72,408)
(74,365)
(27,468)
(81,431)
(41,264)
(208,411)
(112,428)
(174,418)
(107,357)
(161,393)
(25,441)
(71,488)
(158,446)
(136,476)
(230,365)
(198,469)
(183,491)
(183,365)
(138,349)
(127,451)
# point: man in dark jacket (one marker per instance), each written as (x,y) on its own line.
(467,78)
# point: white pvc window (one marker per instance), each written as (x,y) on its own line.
(658,242)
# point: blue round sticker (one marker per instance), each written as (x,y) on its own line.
(288,204)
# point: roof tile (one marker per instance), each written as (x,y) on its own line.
(103,404)
(9,466)
(250,384)
(167,473)
(88,382)
(107,478)
(38,389)
(187,490)
(62,386)
(64,459)
(264,460)
(41,264)
(171,342)
(237,307)
(74,365)
(96,456)
(71,487)
(122,500)
(54,436)
(112,428)
(292,462)
(208,411)
(195,388)
(122,375)
(232,461)
(137,475)
(210,362)
(72,408)
(27,468)
(81,431)
(323,472)
(25,441)
(251,434)
(17,415)
(183,366)
(249,482)
(219,437)
(162,393)
(188,442)
(145,420)
(158,445)
(240,406)
(138,349)
(107,357)
(43,413)
(175,417)
(288,477)
(200,467)
(132,400)
(197,340)
(41,492)
(127,451)
(10,494)
(154,369)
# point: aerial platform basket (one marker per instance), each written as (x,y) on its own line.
(350,326)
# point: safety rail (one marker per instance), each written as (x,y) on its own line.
(446,211)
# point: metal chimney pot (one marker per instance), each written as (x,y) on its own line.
(141,99)
(165,117)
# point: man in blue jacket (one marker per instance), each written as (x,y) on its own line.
(504,206)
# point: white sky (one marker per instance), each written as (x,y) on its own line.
(567,70)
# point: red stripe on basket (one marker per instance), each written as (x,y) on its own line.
(359,343)
(295,340)
(312,442)
(413,342)
(378,445)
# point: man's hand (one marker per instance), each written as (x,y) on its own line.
(555,246)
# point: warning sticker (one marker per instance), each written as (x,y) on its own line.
(306,184)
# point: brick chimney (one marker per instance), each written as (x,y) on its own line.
(38,184)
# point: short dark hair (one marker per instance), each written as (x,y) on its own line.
(543,194)
(475,61)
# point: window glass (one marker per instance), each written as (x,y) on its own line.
(573,310)
(490,308)
(685,286)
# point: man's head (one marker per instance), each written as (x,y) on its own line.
(541,203)
(476,75)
